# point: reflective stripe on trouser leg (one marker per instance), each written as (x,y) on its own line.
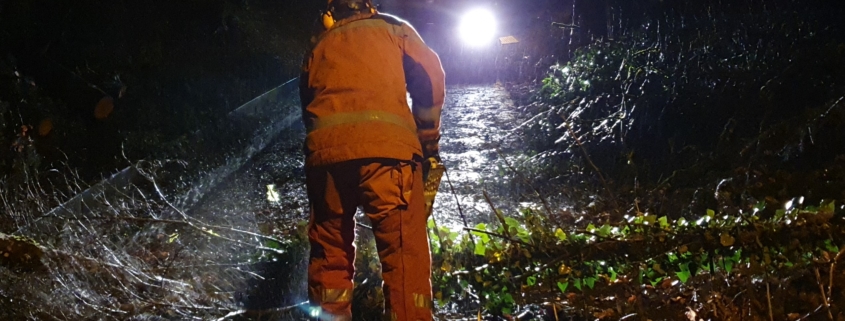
(331,234)
(420,302)
(333,297)
(394,203)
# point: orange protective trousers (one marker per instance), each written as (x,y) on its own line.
(391,194)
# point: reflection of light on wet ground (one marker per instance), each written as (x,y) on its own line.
(476,120)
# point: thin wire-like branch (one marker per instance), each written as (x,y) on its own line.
(832,271)
(506,238)
(769,299)
(458,202)
(252,312)
(498,215)
(824,296)
(590,161)
(205,228)
(542,198)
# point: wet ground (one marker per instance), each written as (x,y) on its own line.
(477,124)
(477,121)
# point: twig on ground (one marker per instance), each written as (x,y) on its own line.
(769,298)
(824,296)
(832,271)
(498,215)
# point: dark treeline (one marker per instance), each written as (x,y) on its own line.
(161,68)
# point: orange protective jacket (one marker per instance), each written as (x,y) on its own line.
(354,89)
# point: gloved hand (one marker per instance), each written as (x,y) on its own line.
(431,149)
(429,163)
(430,141)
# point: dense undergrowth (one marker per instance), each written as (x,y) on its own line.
(132,253)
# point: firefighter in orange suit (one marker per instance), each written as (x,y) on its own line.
(365,147)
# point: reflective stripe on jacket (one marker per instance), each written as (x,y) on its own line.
(353,89)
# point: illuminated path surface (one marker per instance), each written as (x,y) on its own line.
(475,121)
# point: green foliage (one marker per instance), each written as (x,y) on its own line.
(683,91)
(659,252)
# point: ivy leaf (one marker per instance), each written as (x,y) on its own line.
(532,280)
(711,213)
(483,236)
(513,225)
(560,235)
(828,207)
(780,214)
(672,257)
(655,281)
(684,273)
(562,286)
(729,261)
(830,247)
(604,231)
(683,276)
(523,235)
(760,206)
(577,284)
(590,282)
(480,248)
(729,265)
(664,222)
(507,298)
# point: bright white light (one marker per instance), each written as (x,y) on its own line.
(315,312)
(478,27)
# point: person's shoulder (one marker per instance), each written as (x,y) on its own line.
(390,19)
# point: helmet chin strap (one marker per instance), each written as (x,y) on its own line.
(328,17)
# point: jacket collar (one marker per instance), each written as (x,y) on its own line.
(353,18)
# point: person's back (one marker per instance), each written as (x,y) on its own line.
(365,147)
(354,91)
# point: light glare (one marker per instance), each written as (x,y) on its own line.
(478,27)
